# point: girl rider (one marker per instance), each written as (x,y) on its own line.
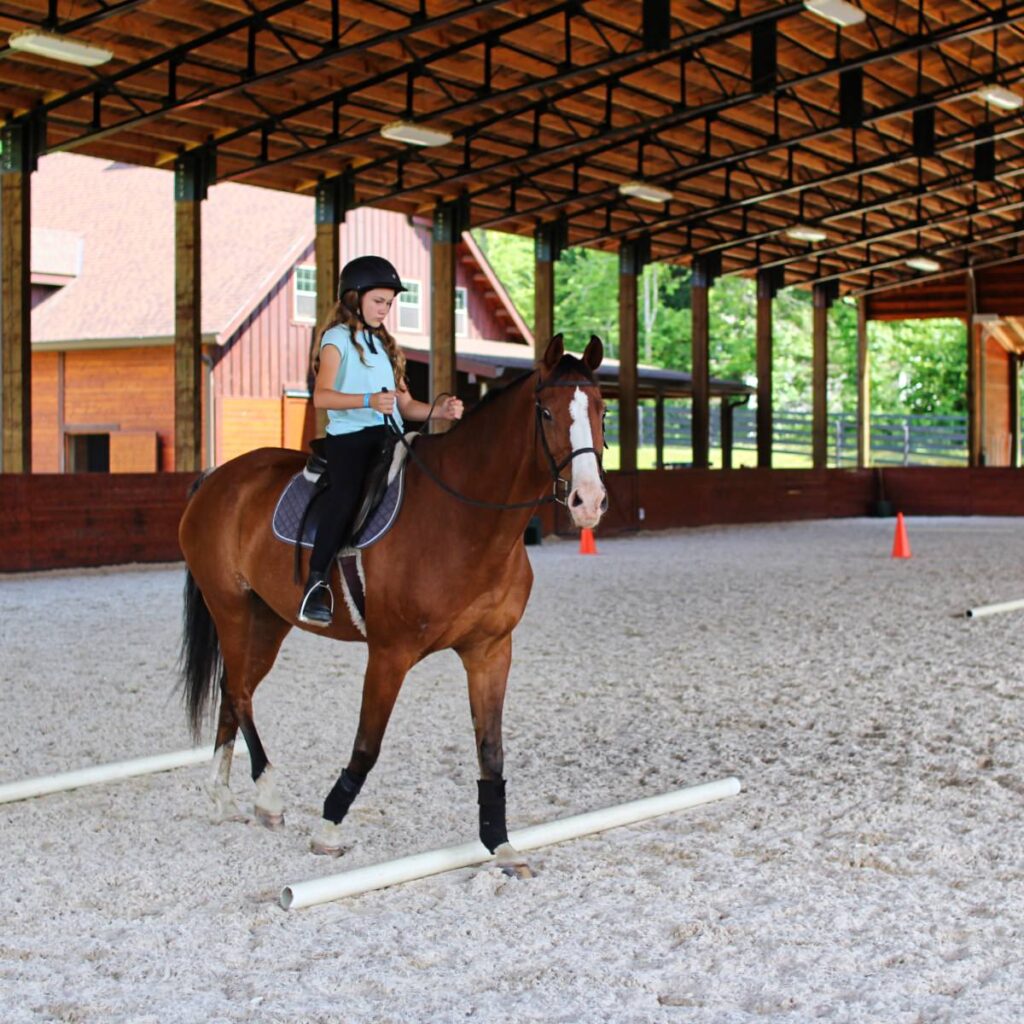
(354,360)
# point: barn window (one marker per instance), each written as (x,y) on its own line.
(461,313)
(409,307)
(305,294)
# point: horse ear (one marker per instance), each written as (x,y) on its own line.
(553,353)
(593,353)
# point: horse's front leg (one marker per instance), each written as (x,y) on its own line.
(487,666)
(385,672)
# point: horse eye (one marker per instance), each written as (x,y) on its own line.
(546,413)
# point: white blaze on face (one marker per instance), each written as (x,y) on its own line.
(586,475)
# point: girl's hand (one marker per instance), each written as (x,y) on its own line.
(451,409)
(383,401)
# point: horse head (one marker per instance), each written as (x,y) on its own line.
(571,417)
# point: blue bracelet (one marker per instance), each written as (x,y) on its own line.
(366,400)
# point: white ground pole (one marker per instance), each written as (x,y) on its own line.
(29,788)
(420,865)
(994,609)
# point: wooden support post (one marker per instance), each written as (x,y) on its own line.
(193,172)
(447,231)
(1014,369)
(630,266)
(725,419)
(705,270)
(659,431)
(331,205)
(16,165)
(767,283)
(819,377)
(863,387)
(975,397)
(545,254)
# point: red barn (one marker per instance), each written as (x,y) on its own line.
(103,313)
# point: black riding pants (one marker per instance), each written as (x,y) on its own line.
(349,458)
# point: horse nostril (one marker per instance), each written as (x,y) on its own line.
(576,499)
(604,502)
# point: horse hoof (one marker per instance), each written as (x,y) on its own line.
(327,840)
(511,862)
(225,812)
(226,817)
(520,870)
(274,820)
(324,850)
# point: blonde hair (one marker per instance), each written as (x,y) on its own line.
(345,314)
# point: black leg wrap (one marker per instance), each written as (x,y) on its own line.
(339,800)
(491,797)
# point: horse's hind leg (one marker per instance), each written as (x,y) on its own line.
(217,786)
(250,637)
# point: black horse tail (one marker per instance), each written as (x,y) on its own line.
(200,665)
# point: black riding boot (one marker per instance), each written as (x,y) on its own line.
(317,606)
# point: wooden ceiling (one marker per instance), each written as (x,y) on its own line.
(756,115)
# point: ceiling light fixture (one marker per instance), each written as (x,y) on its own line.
(837,11)
(1000,97)
(924,264)
(806,233)
(416,134)
(58,47)
(647,192)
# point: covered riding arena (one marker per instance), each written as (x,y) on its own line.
(871,869)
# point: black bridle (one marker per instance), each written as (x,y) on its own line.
(542,415)
(557,467)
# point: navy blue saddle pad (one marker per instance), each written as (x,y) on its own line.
(295,497)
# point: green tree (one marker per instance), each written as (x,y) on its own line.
(587,298)
(917,366)
(512,259)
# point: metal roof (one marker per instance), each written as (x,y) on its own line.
(756,116)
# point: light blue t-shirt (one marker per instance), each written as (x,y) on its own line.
(355,377)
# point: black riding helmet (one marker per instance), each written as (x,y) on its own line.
(366,272)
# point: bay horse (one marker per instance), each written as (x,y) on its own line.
(449,574)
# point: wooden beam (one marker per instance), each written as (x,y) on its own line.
(543,289)
(975,399)
(629,268)
(659,432)
(329,212)
(445,237)
(189,192)
(705,269)
(765,411)
(16,305)
(819,380)
(863,387)
(726,423)
(1014,370)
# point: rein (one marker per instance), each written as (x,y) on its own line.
(555,467)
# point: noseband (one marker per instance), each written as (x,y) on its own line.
(555,467)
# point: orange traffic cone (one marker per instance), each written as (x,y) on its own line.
(587,545)
(900,544)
